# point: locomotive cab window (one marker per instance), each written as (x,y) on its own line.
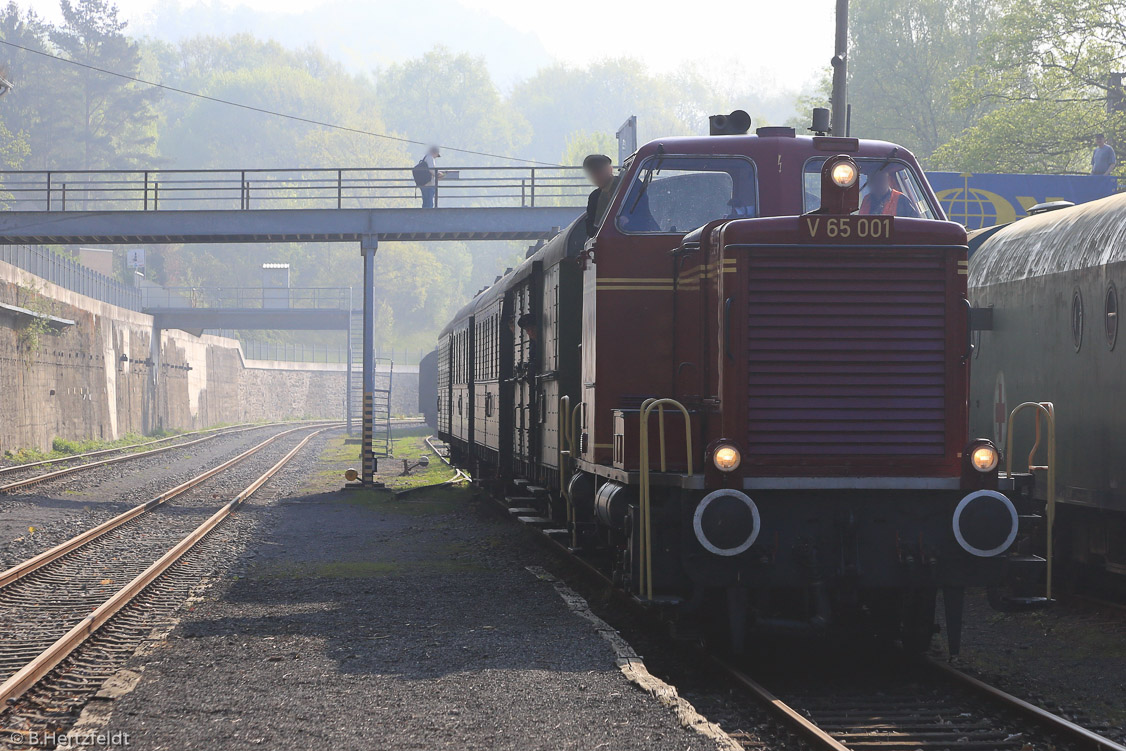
(887,187)
(677,194)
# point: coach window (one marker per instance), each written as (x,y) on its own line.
(1111,315)
(677,194)
(1077,319)
(903,180)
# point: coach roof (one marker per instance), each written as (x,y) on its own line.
(1090,234)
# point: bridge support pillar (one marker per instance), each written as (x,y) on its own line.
(368,246)
(151,418)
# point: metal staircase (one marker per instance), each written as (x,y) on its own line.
(381,409)
(381,394)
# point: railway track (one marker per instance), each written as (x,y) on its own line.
(8,485)
(913,706)
(70,615)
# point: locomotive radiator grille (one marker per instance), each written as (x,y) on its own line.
(846,353)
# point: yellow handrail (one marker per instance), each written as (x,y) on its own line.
(646,582)
(567,419)
(1048,411)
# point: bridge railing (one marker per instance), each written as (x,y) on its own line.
(249,298)
(346,188)
(71,275)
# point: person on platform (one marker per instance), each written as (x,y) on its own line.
(1103,157)
(884,200)
(600,171)
(429,188)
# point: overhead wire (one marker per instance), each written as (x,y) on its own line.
(273,113)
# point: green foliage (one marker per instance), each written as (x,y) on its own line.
(14,148)
(561,100)
(33,331)
(444,97)
(197,133)
(76,117)
(66,447)
(1045,77)
(582,143)
(905,59)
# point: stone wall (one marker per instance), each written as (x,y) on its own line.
(101,377)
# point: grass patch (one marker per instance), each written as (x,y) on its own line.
(437,503)
(64,447)
(410,447)
(409,444)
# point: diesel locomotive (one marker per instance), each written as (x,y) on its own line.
(1050,282)
(746,396)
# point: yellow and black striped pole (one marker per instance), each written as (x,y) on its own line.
(367,455)
(368,245)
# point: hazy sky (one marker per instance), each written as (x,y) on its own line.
(776,44)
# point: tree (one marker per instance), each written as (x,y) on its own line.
(14,148)
(109,120)
(561,100)
(1046,74)
(582,143)
(450,98)
(904,58)
(30,108)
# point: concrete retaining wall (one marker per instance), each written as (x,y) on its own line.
(102,378)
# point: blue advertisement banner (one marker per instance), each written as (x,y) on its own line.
(985,200)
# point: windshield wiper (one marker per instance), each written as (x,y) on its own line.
(886,162)
(649,177)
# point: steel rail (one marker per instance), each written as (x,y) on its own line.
(1064,727)
(37,562)
(103,462)
(46,661)
(101,452)
(788,714)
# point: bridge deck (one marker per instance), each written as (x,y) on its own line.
(282,225)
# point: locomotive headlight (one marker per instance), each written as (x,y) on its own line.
(985,458)
(844,174)
(726,458)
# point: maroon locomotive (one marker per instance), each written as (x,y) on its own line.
(747,393)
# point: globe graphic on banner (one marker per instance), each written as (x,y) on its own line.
(973,208)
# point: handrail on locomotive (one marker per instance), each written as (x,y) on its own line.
(1047,410)
(646,516)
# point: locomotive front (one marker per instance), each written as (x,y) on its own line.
(817,340)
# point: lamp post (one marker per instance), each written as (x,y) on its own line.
(5,86)
(840,71)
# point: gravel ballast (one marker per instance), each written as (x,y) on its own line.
(361,620)
(44,515)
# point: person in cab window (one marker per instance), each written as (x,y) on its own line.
(884,200)
(600,171)
(742,201)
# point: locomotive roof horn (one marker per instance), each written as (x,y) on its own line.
(735,124)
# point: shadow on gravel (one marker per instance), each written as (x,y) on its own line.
(419,588)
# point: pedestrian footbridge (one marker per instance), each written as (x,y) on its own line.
(291,205)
